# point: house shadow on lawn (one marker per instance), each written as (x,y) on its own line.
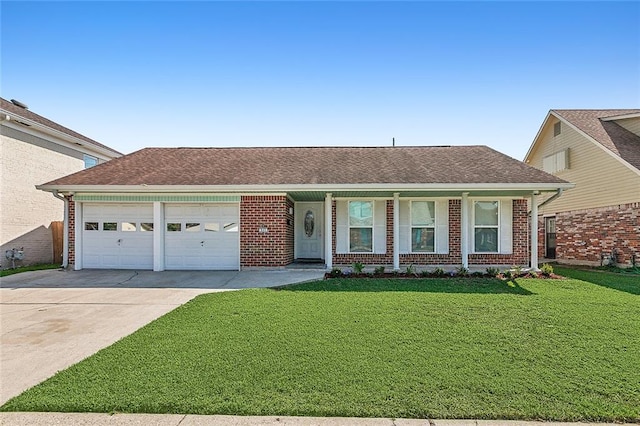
(421,285)
(627,282)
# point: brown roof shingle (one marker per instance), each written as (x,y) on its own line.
(29,115)
(328,165)
(609,134)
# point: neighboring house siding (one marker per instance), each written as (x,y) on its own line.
(26,213)
(631,124)
(601,179)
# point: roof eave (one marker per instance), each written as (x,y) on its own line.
(391,187)
(621,116)
(535,140)
(10,116)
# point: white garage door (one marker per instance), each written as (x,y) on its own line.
(202,236)
(117,236)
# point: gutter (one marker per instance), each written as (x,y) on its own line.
(550,199)
(65,237)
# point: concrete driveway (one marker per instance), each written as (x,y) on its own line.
(52,319)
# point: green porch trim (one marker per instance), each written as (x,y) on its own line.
(164,198)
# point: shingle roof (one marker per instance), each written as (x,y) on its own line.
(310,166)
(29,115)
(609,134)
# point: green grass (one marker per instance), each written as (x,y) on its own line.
(5,272)
(565,350)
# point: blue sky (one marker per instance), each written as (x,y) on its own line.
(137,74)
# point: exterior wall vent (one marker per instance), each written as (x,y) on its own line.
(557,128)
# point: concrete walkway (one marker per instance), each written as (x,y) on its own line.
(89,419)
(50,320)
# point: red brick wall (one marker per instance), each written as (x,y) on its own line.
(273,248)
(72,230)
(583,236)
(365,258)
(520,252)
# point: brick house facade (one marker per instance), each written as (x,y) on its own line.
(210,221)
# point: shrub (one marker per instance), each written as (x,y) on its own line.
(358,267)
(462,271)
(424,274)
(546,269)
(379,270)
(517,270)
(439,272)
(492,272)
(336,272)
(411,270)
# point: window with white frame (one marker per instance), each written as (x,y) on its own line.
(486,226)
(423,226)
(361,226)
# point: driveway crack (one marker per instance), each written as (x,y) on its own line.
(135,274)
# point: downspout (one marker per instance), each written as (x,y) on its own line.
(65,236)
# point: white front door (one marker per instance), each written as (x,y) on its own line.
(309,230)
(202,236)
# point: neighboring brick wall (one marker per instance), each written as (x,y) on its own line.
(520,252)
(25,212)
(365,258)
(273,248)
(454,257)
(583,236)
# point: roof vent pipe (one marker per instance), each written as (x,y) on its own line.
(19,104)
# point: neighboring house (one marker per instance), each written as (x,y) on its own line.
(33,150)
(598,222)
(234,208)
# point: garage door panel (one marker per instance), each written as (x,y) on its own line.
(202,242)
(128,246)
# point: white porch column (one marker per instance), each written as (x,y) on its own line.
(78,224)
(158,236)
(396,231)
(464,229)
(328,230)
(534,231)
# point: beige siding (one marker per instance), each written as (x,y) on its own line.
(601,180)
(631,124)
(25,212)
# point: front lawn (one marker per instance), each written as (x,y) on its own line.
(563,350)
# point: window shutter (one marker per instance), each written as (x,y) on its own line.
(442,226)
(380,226)
(342,226)
(506,226)
(405,227)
